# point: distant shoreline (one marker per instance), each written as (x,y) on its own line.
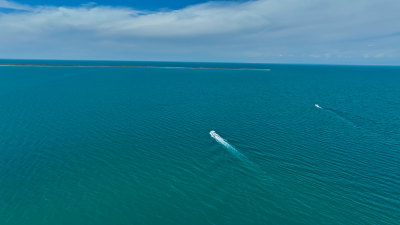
(131,66)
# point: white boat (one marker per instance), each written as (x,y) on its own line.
(213,134)
(319,107)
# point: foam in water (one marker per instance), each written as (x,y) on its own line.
(228,146)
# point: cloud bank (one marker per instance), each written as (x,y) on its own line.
(277,31)
(12,5)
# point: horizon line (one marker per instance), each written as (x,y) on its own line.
(213,62)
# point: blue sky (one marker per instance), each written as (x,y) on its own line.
(265,31)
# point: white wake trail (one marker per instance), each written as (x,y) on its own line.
(228,146)
(338,115)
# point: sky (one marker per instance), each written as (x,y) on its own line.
(360,32)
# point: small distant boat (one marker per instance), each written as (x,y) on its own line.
(213,134)
(319,107)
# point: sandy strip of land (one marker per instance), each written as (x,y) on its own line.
(165,67)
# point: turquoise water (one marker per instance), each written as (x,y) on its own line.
(87,145)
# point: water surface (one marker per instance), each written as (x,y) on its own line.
(121,145)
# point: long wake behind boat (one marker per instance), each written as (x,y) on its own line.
(225,143)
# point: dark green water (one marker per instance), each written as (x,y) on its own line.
(132,146)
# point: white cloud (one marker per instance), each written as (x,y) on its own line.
(261,30)
(12,5)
